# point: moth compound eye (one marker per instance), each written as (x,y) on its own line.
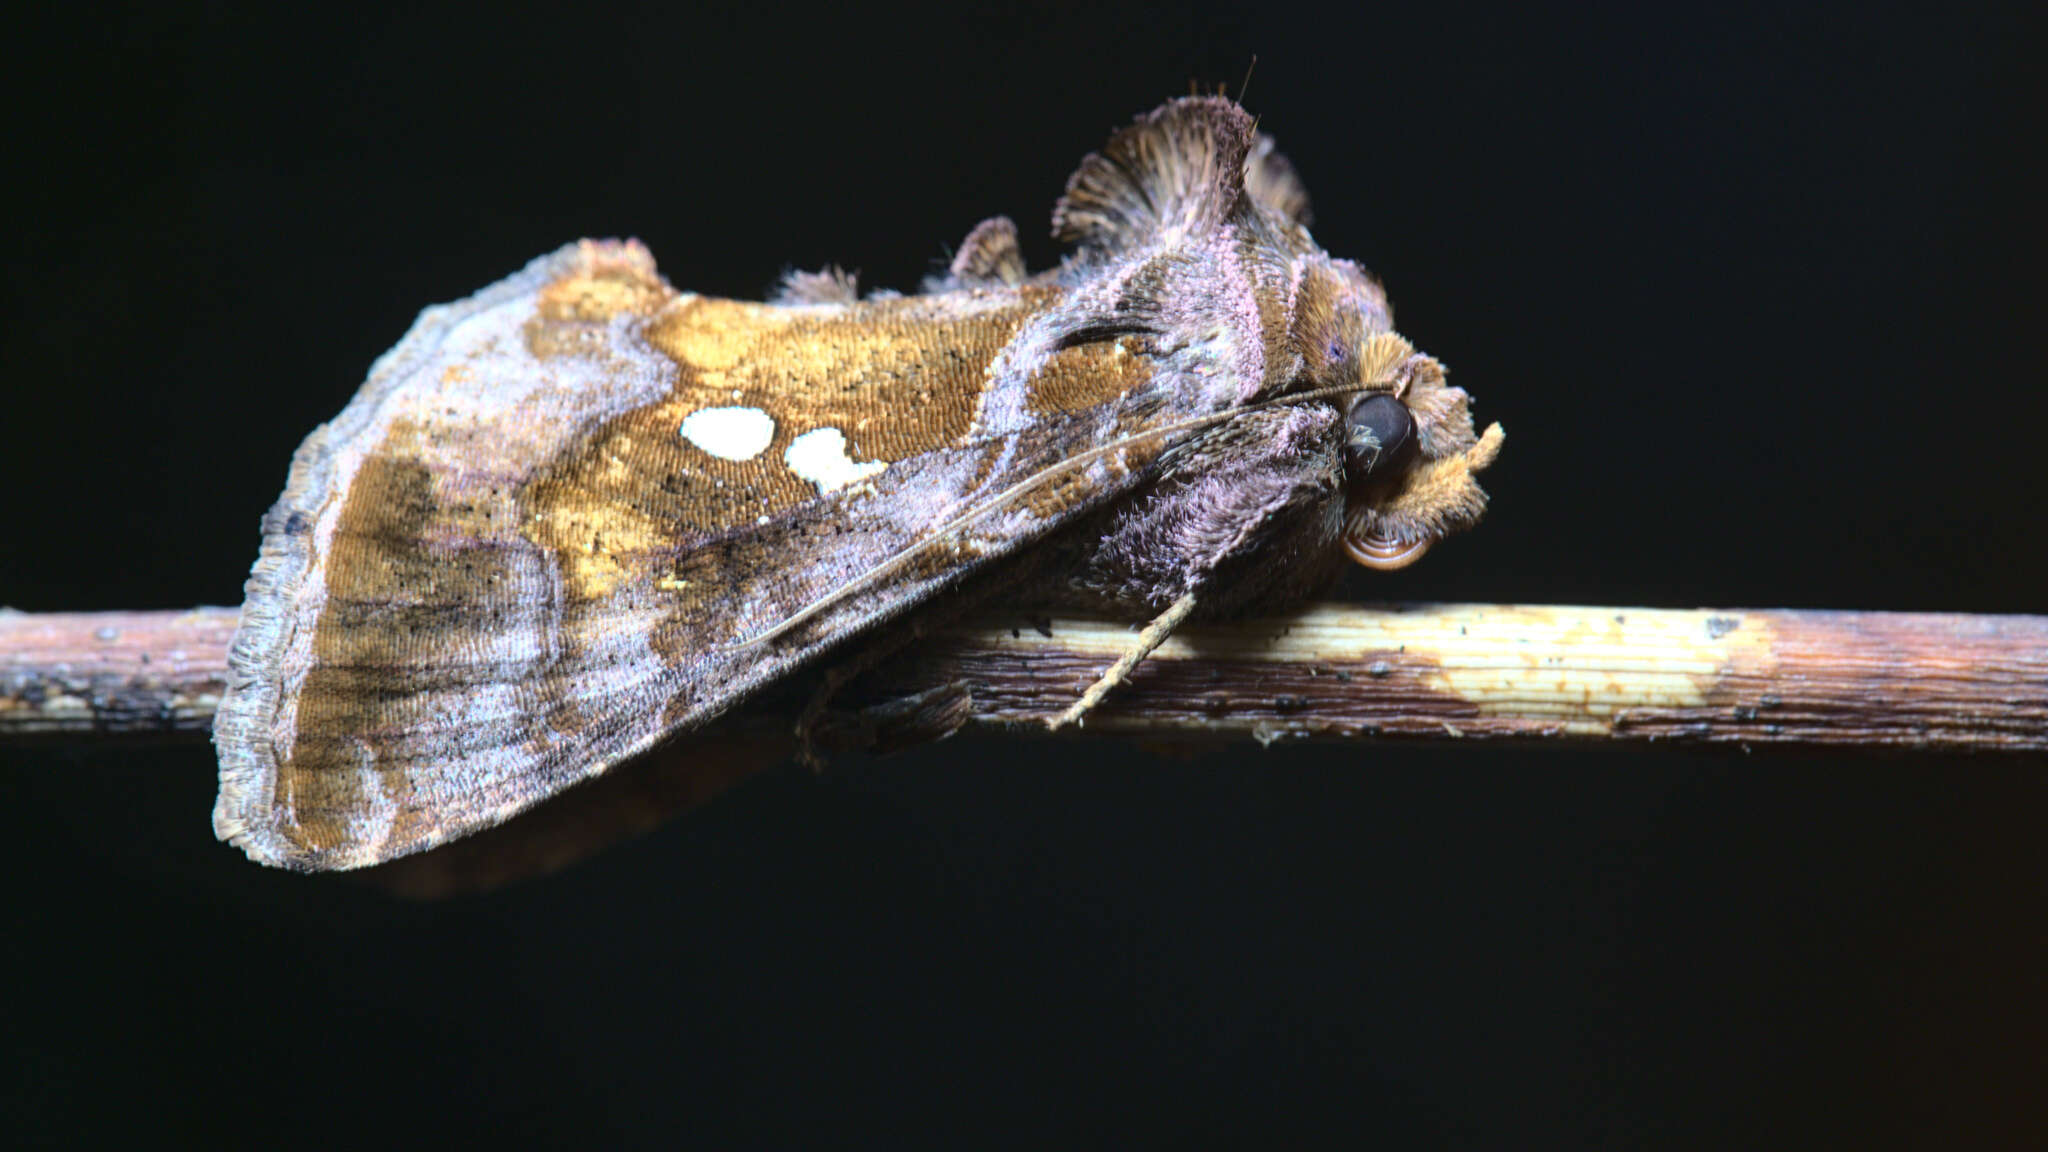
(1379,437)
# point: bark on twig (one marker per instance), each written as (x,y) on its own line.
(1334,671)
(79,675)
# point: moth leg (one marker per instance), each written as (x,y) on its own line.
(1152,637)
(837,676)
(1247,518)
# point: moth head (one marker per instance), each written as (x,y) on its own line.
(1196,170)
(1410,456)
(1410,453)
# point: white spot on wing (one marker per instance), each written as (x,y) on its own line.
(729,433)
(820,457)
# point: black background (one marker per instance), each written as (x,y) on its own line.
(1757,294)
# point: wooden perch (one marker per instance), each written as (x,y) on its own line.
(1448,671)
(80,675)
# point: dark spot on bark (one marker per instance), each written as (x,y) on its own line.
(1719,626)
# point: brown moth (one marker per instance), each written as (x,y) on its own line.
(580,511)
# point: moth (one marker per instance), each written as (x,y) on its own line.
(582,512)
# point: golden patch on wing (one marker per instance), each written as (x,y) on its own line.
(1087,376)
(572,314)
(410,581)
(631,492)
(893,378)
(898,377)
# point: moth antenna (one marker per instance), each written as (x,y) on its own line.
(1020,488)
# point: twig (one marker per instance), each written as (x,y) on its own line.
(1754,678)
(76,675)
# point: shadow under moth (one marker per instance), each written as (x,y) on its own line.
(582,512)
